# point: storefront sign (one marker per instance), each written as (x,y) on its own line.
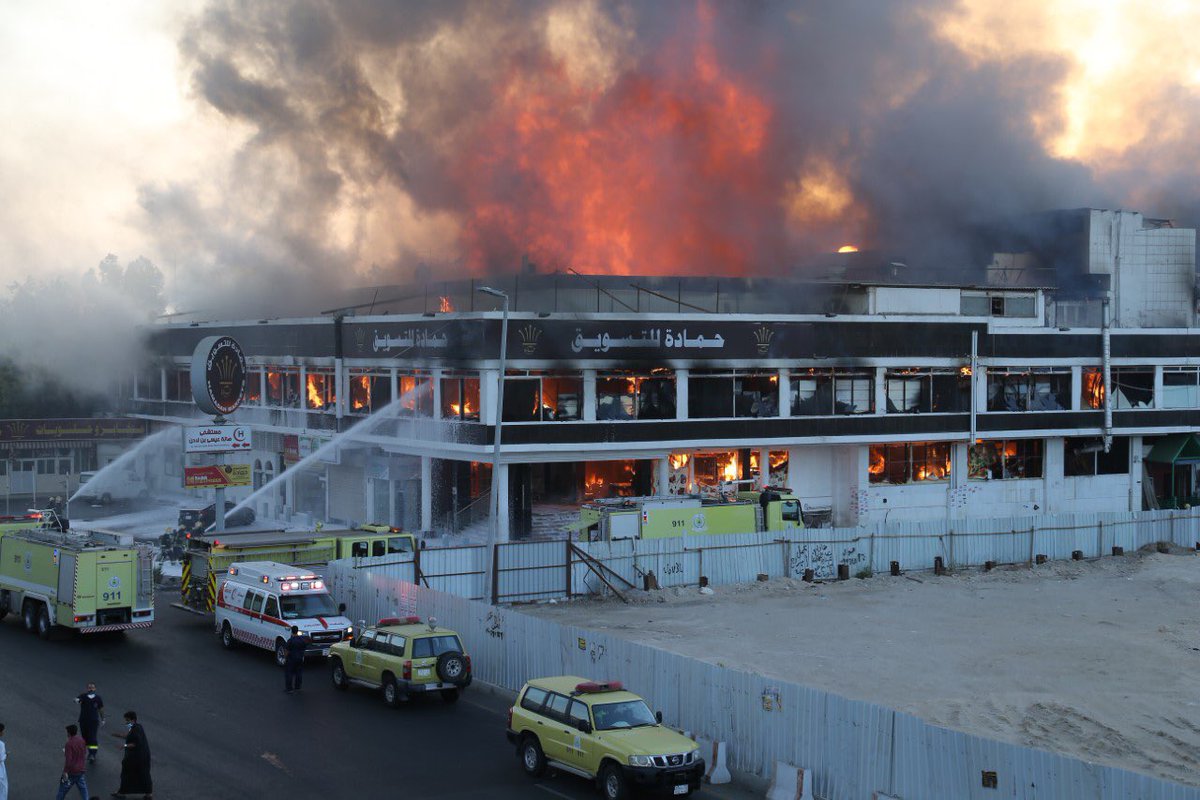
(214,476)
(218,375)
(49,430)
(216,439)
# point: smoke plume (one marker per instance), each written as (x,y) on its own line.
(675,137)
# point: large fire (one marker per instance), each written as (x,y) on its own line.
(665,169)
(360,393)
(1093,388)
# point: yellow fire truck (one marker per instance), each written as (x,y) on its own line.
(89,581)
(208,555)
(689,515)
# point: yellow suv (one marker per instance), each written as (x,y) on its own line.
(601,732)
(403,657)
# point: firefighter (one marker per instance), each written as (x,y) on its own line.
(91,717)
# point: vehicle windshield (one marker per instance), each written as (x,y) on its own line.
(297,606)
(629,714)
(434,646)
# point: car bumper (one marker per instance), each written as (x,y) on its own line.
(665,779)
(412,687)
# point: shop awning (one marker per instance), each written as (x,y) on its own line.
(1179,448)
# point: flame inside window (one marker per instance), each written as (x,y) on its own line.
(1093,388)
(444,305)
(360,393)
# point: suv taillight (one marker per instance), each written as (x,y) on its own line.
(467,659)
(407,672)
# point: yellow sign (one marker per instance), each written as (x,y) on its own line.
(212,477)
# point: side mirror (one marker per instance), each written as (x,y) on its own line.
(584,726)
(658,717)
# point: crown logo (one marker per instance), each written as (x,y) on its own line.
(529,338)
(20,430)
(225,368)
(762,339)
(360,338)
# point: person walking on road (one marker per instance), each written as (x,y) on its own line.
(293,668)
(3,766)
(91,717)
(74,765)
(135,766)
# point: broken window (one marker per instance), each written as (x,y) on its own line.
(1086,456)
(825,392)
(1005,459)
(928,391)
(1028,390)
(909,462)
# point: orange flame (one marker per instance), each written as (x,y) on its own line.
(314,393)
(1093,388)
(964,372)
(360,393)
(847,248)
(877,463)
(597,159)
(444,304)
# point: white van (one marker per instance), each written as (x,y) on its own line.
(258,602)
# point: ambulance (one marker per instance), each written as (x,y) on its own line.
(258,602)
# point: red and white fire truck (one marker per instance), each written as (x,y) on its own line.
(258,602)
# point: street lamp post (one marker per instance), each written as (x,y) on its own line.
(494,528)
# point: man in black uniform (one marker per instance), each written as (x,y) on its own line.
(293,669)
(91,717)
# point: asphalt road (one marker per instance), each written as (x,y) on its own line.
(221,727)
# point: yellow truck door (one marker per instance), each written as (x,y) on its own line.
(114,584)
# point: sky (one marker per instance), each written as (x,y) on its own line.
(259,152)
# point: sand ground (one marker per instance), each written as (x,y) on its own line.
(1094,659)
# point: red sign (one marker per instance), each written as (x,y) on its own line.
(212,477)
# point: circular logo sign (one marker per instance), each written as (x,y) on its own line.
(218,375)
(114,582)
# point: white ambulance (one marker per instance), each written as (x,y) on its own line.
(258,602)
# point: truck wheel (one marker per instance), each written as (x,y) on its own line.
(29,615)
(43,623)
(339,675)
(452,668)
(533,760)
(450,695)
(281,652)
(391,692)
(227,640)
(612,783)
(4,601)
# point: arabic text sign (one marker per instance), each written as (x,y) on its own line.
(214,477)
(216,439)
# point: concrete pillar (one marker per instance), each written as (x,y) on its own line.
(981,391)
(426,493)
(664,475)
(1076,388)
(489,381)
(785,393)
(262,387)
(764,466)
(162,383)
(681,394)
(881,390)
(589,395)
(502,521)
(436,378)
(1158,387)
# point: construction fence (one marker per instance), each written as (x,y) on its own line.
(545,570)
(851,748)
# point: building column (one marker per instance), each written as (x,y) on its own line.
(764,467)
(681,394)
(489,387)
(664,475)
(1158,387)
(589,395)
(785,393)
(162,374)
(1076,388)
(426,520)
(881,390)
(504,515)
(436,380)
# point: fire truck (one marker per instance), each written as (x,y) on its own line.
(21,522)
(772,509)
(89,581)
(208,555)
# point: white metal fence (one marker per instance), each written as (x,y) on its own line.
(530,571)
(853,748)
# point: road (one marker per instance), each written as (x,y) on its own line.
(221,727)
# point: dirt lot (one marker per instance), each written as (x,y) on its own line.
(1094,659)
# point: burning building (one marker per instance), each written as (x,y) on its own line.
(1058,379)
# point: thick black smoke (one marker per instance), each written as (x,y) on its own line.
(356,115)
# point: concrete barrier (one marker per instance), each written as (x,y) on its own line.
(790,783)
(716,757)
